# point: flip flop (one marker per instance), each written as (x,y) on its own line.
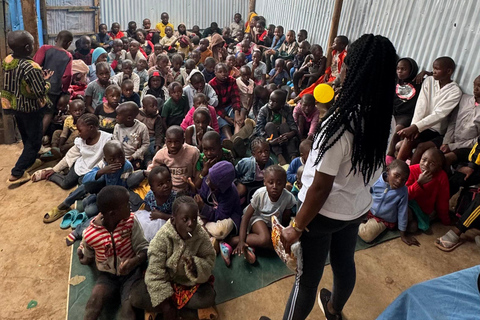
(22,179)
(446,245)
(54,215)
(78,220)
(68,218)
(226,252)
(39,175)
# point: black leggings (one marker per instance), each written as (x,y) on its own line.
(326,236)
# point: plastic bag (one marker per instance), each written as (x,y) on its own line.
(293,260)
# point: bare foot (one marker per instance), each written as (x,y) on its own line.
(13,178)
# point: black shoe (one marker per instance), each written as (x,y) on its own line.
(264,318)
(323,299)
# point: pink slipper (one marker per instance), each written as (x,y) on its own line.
(226,252)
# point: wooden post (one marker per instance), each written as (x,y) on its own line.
(30,19)
(251,6)
(337,11)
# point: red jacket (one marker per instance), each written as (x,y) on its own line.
(433,195)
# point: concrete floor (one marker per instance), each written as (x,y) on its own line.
(34,263)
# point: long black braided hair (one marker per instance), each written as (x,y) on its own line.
(364,106)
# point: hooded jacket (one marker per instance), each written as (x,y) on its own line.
(224,202)
(190,91)
(406,92)
(158,93)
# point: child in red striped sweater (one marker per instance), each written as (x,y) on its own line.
(115,241)
(428,191)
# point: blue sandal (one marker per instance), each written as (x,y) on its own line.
(79,219)
(68,218)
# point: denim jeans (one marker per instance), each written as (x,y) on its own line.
(68,181)
(325,236)
(30,126)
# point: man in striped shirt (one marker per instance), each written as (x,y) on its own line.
(115,240)
(24,93)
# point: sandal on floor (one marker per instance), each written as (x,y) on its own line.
(249,254)
(226,252)
(78,220)
(40,174)
(22,179)
(54,215)
(446,245)
(68,218)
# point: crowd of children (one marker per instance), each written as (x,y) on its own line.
(163,119)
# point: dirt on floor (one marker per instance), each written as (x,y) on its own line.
(34,262)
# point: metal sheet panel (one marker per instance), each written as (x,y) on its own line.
(312,15)
(199,12)
(420,29)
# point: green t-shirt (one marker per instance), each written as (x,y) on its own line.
(174,112)
(277,118)
(227,156)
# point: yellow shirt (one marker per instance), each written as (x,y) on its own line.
(161,27)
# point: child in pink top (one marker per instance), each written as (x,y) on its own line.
(306,116)
(200,100)
(178,156)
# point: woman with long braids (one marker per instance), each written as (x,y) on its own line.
(348,153)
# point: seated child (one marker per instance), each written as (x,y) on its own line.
(406,95)
(132,27)
(64,139)
(390,205)
(275,120)
(177,62)
(146,46)
(255,229)
(134,54)
(168,42)
(241,60)
(118,256)
(126,43)
(286,51)
(152,34)
(297,186)
(232,70)
(79,78)
(175,108)
(198,85)
(187,69)
(219,202)
(238,25)
(128,95)
(142,73)
(258,67)
(303,51)
(152,58)
(98,55)
(217,45)
(250,171)
(106,112)
(245,48)
(102,39)
(127,73)
(296,163)
(178,156)
(117,55)
(80,159)
(115,32)
(312,69)
(260,98)
(96,89)
(163,66)
(428,190)
(306,116)
(245,87)
(180,264)
(83,50)
(149,116)
(58,117)
(209,69)
(437,99)
(205,52)
(463,129)
(132,133)
(279,75)
(229,111)
(212,153)
(194,133)
(184,45)
(196,56)
(158,201)
(200,100)
(155,87)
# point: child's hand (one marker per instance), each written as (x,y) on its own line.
(198,199)
(190,183)
(410,133)
(424,177)
(49,173)
(111,168)
(467,171)
(409,240)
(190,265)
(127,265)
(47,74)
(229,120)
(240,248)
(445,148)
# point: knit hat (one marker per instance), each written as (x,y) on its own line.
(222,175)
(97,53)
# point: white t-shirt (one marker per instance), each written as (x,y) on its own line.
(349,198)
(265,208)
(91,155)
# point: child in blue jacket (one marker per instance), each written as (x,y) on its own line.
(390,205)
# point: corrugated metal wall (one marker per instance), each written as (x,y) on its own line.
(420,29)
(197,12)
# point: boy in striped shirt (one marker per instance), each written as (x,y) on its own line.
(116,242)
